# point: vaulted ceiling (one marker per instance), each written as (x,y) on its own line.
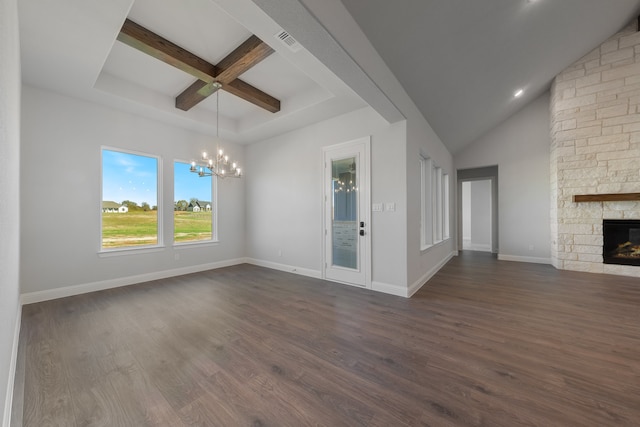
(459,60)
(462,61)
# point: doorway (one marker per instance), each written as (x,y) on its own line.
(476,215)
(477,201)
(347,243)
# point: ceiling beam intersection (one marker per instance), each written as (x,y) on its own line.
(245,56)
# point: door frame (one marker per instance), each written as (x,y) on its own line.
(364,215)
(491,209)
(480,173)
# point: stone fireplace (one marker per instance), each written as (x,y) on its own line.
(621,243)
(595,150)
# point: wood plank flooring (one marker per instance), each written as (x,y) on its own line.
(484,343)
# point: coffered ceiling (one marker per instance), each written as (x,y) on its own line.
(72,47)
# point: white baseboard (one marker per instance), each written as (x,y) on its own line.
(415,287)
(67,291)
(535,260)
(6,419)
(284,267)
(388,288)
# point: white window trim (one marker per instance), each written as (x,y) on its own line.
(426,190)
(214,214)
(446,208)
(434,204)
(133,249)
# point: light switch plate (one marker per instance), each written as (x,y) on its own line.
(376,207)
(391,207)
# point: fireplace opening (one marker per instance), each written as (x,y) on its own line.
(621,241)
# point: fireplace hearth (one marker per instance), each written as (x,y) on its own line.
(621,241)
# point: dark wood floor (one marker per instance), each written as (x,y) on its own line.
(484,343)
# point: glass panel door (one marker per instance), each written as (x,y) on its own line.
(344,213)
(347,246)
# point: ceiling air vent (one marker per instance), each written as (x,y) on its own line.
(287,40)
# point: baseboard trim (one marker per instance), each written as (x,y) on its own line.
(316,274)
(535,260)
(388,288)
(6,419)
(415,287)
(67,291)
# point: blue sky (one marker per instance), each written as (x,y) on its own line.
(188,184)
(133,177)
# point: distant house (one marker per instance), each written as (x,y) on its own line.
(199,205)
(113,207)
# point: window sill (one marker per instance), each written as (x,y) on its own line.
(106,253)
(425,249)
(187,245)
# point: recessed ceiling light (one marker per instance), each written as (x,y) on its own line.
(518,93)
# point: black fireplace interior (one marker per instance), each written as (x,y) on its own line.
(621,241)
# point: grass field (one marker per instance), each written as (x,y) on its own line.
(139,228)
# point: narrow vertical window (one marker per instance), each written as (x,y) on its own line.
(194,207)
(129,200)
(426,202)
(446,211)
(437,207)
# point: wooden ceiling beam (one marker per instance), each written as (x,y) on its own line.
(251,94)
(160,48)
(245,56)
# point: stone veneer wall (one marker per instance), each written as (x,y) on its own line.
(595,148)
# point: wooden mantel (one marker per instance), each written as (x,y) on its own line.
(618,197)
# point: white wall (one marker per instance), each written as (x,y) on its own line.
(420,139)
(61,141)
(9,200)
(520,147)
(285,195)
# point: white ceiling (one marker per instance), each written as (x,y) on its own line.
(461,61)
(70,46)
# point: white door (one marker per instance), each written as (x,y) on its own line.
(347,242)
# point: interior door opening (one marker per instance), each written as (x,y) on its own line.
(476,215)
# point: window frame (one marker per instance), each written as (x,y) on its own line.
(214,211)
(435,197)
(446,232)
(159,211)
(426,201)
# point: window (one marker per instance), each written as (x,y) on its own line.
(445,188)
(437,206)
(129,200)
(434,194)
(194,211)
(426,190)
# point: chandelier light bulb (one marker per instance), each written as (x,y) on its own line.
(217,164)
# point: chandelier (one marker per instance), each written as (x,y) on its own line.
(219,165)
